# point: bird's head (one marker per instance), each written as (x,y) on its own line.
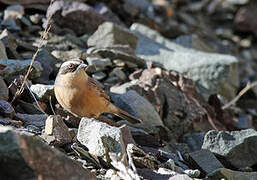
(72,71)
(72,66)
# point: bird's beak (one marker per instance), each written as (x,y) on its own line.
(82,66)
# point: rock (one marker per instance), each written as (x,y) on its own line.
(2,51)
(118,54)
(35,18)
(6,109)
(105,11)
(99,76)
(143,138)
(136,105)
(4,121)
(150,174)
(37,120)
(4,91)
(43,92)
(166,90)
(134,7)
(99,63)
(47,61)
(14,11)
(229,145)
(194,141)
(192,173)
(77,16)
(206,44)
(66,55)
(237,2)
(101,138)
(182,177)
(24,2)
(122,89)
(118,73)
(213,73)
(166,171)
(245,19)
(108,34)
(31,158)
(57,129)
(230,174)
(10,43)
(10,25)
(17,67)
(204,160)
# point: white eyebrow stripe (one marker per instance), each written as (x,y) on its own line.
(69,62)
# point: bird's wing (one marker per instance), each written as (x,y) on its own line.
(92,83)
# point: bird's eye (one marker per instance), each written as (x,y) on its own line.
(71,66)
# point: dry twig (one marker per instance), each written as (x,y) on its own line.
(42,38)
(242,92)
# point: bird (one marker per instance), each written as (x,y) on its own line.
(81,95)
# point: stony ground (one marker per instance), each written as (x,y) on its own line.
(174,64)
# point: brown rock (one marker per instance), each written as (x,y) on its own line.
(181,108)
(245,19)
(73,15)
(4,92)
(57,129)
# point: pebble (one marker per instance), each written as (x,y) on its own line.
(99,76)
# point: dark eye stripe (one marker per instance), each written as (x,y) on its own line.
(67,69)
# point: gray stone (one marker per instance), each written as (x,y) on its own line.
(237,147)
(4,121)
(118,54)
(192,173)
(118,73)
(6,109)
(236,2)
(224,173)
(136,105)
(4,91)
(204,160)
(109,34)
(10,43)
(194,141)
(99,76)
(2,51)
(67,55)
(211,45)
(182,177)
(135,7)
(56,128)
(31,158)
(47,61)
(213,73)
(123,88)
(99,63)
(14,11)
(150,174)
(18,67)
(42,91)
(106,12)
(101,138)
(10,25)
(37,120)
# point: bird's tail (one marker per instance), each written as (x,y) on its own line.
(124,115)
